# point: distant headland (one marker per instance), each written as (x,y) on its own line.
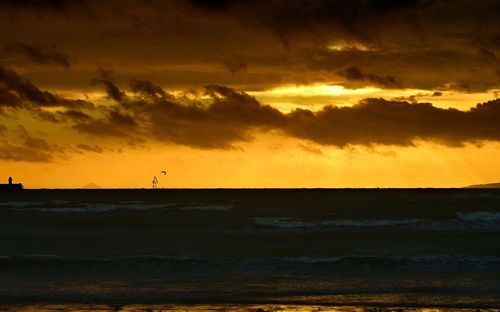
(11,186)
(489,185)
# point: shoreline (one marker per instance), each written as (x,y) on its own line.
(254,306)
(236,307)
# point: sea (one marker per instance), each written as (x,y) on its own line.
(230,249)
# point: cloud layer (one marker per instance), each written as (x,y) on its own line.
(254,45)
(38,54)
(223,117)
(180,72)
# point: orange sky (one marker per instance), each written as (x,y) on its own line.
(351,94)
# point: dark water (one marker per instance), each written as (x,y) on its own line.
(344,247)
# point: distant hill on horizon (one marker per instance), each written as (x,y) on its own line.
(488,185)
(91,186)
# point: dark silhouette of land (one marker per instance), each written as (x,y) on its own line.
(11,186)
(489,185)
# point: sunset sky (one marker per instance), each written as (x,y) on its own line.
(274,93)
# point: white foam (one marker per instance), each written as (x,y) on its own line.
(76,207)
(287,223)
(481,216)
(82,207)
(208,207)
(290,223)
(431,259)
(27,204)
(374,222)
(103,259)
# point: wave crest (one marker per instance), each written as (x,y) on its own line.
(84,207)
(486,216)
(290,223)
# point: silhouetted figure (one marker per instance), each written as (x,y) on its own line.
(155,182)
(10,180)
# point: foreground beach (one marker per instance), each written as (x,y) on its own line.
(230,308)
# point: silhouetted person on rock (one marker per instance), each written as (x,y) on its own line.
(10,180)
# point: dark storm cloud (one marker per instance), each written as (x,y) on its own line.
(89,148)
(43,4)
(113,124)
(17,92)
(488,56)
(378,121)
(147,88)
(235,66)
(356,74)
(429,44)
(60,116)
(38,54)
(290,19)
(230,116)
(74,115)
(226,117)
(212,5)
(385,40)
(28,148)
(416,69)
(111,89)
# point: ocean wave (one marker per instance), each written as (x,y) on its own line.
(59,260)
(375,260)
(38,204)
(77,207)
(471,221)
(208,207)
(481,216)
(83,207)
(286,223)
(474,195)
(340,262)
(290,223)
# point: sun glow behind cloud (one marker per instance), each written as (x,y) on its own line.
(272,161)
(343,46)
(289,97)
(315,90)
(315,96)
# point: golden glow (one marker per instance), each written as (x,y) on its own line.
(215,307)
(314,90)
(344,45)
(314,97)
(270,161)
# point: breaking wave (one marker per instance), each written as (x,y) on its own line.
(82,207)
(354,261)
(289,223)
(482,216)
(436,259)
(470,221)
(58,259)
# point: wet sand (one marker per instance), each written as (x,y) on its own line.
(231,308)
